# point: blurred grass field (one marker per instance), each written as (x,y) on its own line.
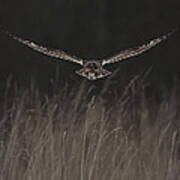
(73,135)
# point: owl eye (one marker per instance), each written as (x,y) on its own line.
(95,66)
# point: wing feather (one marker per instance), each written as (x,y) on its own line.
(136,50)
(53,53)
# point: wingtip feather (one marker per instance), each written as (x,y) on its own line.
(172,32)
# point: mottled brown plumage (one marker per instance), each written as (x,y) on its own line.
(92,69)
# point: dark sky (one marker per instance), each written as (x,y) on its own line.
(88,29)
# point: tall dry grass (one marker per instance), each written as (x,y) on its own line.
(67,137)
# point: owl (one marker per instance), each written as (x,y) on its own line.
(91,69)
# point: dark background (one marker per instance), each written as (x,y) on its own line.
(88,29)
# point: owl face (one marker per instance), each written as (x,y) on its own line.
(93,70)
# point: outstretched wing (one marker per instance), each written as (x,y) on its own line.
(136,50)
(53,53)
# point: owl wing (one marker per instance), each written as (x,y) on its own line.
(53,53)
(136,50)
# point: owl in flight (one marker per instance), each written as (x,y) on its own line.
(92,69)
